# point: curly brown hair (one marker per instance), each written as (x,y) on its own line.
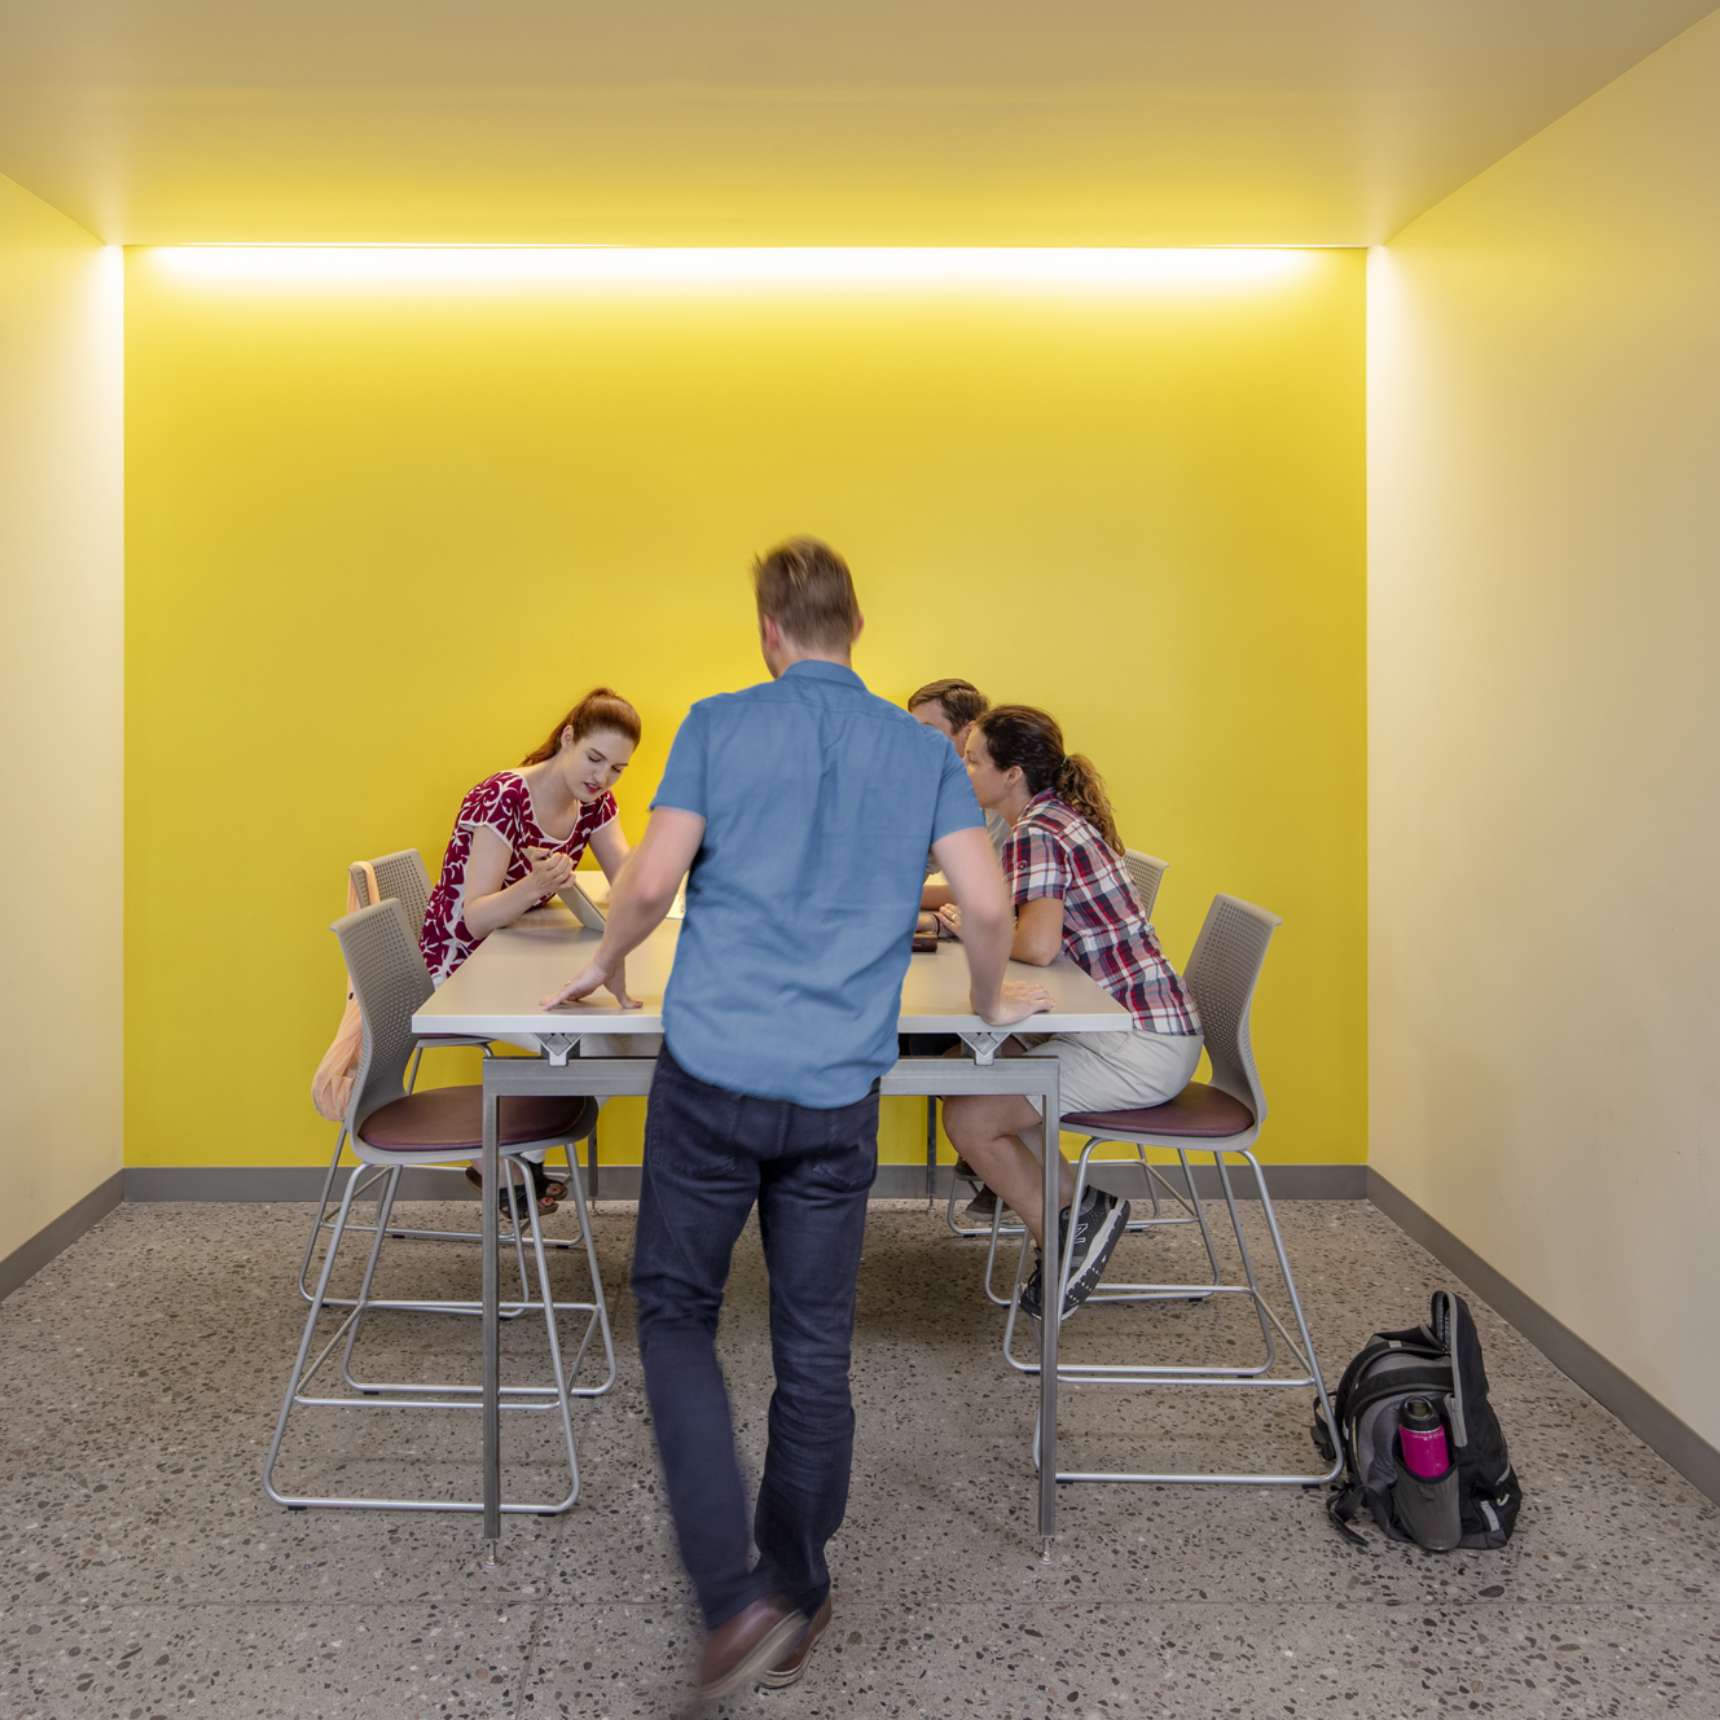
(1021,735)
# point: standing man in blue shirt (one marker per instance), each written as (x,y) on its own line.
(801,812)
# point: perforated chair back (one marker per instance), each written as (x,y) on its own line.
(390,981)
(1146,871)
(1222,974)
(400,875)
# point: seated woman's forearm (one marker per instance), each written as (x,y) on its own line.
(1032,947)
(501,908)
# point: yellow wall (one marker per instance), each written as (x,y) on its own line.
(1545,433)
(382,530)
(61,602)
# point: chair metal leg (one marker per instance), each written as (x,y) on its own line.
(322,1214)
(311,1319)
(552,1333)
(559,1243)
(552,1396)
(365,1302)
(384,1206)
(1116,1291)
(1015,1308)
(600,1304)
(516,1176)
(1200,1216)
(1223,1169)
(998,1229)
(1299,1343)
(1306,1354)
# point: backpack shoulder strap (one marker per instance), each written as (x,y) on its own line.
(1343,1505)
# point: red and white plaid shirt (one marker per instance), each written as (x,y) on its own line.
(1055,854)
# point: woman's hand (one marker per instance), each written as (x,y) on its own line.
(551,870)
(598,974)
(950,918)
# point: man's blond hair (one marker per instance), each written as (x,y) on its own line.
(805,587)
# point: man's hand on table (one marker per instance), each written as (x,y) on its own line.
(597,975)
(1017,999)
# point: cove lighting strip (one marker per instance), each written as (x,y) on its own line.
(838,267)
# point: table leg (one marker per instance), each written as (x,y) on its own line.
(931,1149)
(492,1394)
(1050,1277)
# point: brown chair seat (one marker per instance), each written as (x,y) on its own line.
(451,1120)
(1197,1113)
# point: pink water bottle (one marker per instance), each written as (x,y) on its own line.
(1421,1435)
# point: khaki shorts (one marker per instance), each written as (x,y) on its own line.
(1117,1071)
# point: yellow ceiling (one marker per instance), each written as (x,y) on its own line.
(787,122)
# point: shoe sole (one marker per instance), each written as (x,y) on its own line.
(774,1680)
(764,1654)
(1093,1269)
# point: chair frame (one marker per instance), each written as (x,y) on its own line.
(389,976)
(1233,940)
(402,876)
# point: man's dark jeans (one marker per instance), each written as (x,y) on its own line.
(710,1154)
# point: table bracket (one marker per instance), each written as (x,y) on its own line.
(556,1047)
(984,1045)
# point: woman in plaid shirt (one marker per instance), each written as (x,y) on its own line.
(1072,897)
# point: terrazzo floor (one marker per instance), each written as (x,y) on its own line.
(143,1573)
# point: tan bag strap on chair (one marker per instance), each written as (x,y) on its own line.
(331,1086)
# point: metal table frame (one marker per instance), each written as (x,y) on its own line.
(560,1072)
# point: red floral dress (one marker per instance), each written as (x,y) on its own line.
(504,803)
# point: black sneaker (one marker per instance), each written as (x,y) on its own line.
(1103,1219)
(1033,1291)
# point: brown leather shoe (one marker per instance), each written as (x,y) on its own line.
(742,1648)
(788,1670)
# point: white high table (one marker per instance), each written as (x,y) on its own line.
(497,994)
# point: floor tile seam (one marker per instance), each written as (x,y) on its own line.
(531,1671)
(273,1604)
(540,1603)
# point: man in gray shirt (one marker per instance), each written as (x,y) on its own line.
(804,808)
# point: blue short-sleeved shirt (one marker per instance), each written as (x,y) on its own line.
(819,802)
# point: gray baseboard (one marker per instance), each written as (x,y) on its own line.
(621,1182)
(277,1182)
(1647,1417)
(28,1258)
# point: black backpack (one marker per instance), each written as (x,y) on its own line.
(1476,1503)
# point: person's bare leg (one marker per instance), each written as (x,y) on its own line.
(986,1129)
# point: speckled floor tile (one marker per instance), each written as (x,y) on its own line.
(151,1356)
(263,1663)
(1008,1661)
(175,1524)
